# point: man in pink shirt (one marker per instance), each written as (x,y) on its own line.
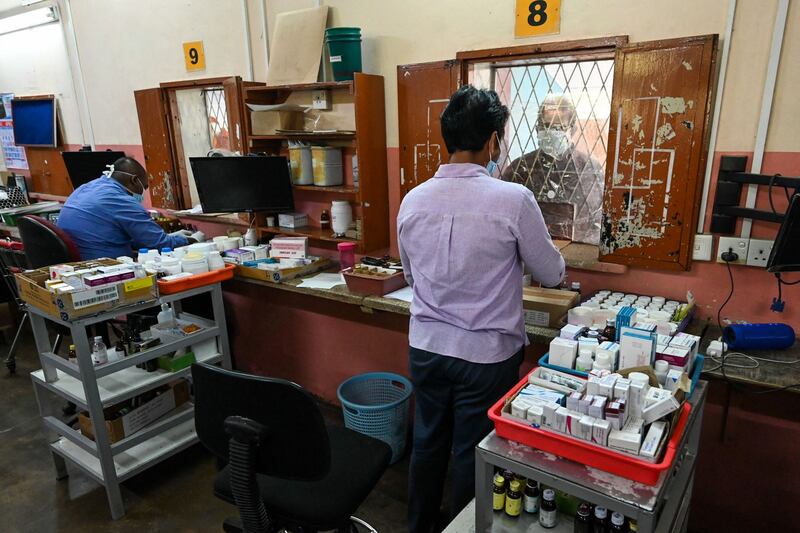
(465,239)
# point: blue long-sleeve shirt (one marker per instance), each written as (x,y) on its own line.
(105,221)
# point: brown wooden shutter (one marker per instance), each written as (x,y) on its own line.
(165,190)
(234,103)
(657,147)
(423,91)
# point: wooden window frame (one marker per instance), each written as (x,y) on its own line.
(577,255)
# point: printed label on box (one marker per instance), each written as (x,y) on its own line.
(95,296)
(137,284)
(537,318)
(336,59)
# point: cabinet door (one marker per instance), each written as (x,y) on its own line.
(165,189)
(234,103)
(423,91)
(658,143)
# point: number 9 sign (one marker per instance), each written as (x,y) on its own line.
(537,17)
(193,56)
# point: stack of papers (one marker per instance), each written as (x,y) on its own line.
(323,281)
(405,294)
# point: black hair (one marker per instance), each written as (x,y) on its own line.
(470,118)
(129,165)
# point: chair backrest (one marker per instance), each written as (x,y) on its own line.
(297,446)
(45,243)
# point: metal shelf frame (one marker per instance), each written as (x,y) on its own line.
(660,508)
(94,388)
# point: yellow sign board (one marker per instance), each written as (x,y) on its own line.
(137,284)
(537,17)
(194,56)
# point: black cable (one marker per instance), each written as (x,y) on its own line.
(719,322)
(769,193)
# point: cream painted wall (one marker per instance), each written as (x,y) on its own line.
(130,45)
(413,31)
(35,62)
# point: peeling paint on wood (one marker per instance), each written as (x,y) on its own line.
(673,105)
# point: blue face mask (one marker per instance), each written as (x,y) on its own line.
(138,197)
(491,166)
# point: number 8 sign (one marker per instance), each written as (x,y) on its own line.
(537,17)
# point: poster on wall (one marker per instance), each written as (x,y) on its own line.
(14,155)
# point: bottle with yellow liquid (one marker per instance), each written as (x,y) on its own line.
(514,499)
(499,493)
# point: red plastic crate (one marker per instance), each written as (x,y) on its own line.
(197,280)
(585,452)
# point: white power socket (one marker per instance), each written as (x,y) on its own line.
(703,246)
(737,245)
(758,253)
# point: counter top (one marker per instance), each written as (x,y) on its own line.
(340,293)
(767,374)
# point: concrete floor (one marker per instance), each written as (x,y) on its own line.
(173,496)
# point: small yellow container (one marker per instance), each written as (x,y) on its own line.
(301,166)
(328,170)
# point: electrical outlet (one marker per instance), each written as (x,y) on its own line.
(736,245)
(758,252)
(321,100)
(703,245)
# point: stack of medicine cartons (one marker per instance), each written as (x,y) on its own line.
(80,289)
(609,410)
(638,345)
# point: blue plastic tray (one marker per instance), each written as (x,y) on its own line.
(696,371)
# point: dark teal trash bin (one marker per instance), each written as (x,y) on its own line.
(344,49)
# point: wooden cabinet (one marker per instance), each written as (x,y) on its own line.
(357,110)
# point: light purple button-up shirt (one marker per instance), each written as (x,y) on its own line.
(463,238)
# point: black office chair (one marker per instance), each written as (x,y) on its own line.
(286,469)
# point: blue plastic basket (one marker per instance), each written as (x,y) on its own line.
(377,404)
(699,361)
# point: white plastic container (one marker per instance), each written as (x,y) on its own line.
(328,169)
(166,317)
(99,353)
(219,242)
(194,263)
(201,247)
(301,165)
(603,362)
(171,265)
(584,361)
(661,368)
(341,216)
(215,261)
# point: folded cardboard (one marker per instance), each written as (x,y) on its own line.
(547,307)
(270,122)
(164,400)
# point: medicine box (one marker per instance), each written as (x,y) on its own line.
(677,357)
(535,413)
(585,427)
(571,331)
(573,401)
(625,441)
(600,430)
(673,379)
(259,252)
(655,395)
(238,256)
(561,419)
(606,386)
(573,423)
(598,407)
(653,439)
(636,347)
(612,350)
(584,403)
(636,397)
(563,352)
(541,394)
(621,388)
(660,409)
(296,247)
(549,414)
(588,344)
(292,220)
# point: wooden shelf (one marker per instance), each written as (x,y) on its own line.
(301,87)
(309,135)
(350,191)
(311,232)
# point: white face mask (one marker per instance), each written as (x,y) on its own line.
(553,142)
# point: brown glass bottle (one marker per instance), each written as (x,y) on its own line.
(548,515)
(530,500)
(610,331)
(514,499)
(499,493)
(583,519)
(73,354)
(325,220)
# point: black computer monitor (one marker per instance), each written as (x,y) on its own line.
(243,183)
(34,121)
(785,254)
(83,167)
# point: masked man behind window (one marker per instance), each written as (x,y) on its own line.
(567,182)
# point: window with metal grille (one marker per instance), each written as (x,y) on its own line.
(217,112)
(556,138)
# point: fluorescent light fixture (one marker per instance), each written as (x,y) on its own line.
(28,19)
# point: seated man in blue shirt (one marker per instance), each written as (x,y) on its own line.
(105,217)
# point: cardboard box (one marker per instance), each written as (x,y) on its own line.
(75,304)
(547,307)
(165,399)
(269,122)
(289,247)
(281,274)
(292,220)
(563,352)
(600,430)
